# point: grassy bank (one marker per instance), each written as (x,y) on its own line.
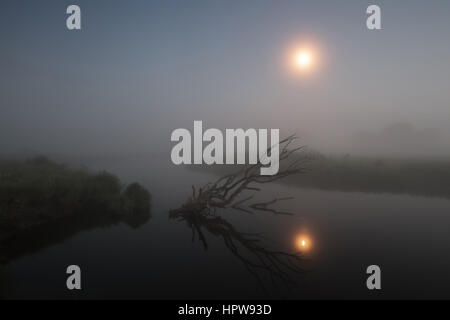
(38,193)
(425,177)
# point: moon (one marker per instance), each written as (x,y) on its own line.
(303,59)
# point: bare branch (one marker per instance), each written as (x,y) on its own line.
(199,214)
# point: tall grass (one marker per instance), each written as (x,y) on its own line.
(38,190)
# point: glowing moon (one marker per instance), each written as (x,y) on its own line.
(303,59)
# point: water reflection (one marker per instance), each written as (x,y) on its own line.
(201,213)
(303,242)
(31,240)
(249,248)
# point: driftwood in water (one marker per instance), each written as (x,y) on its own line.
(200,212)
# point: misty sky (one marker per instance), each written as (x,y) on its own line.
(140,69)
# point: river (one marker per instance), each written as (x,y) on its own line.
(345,232)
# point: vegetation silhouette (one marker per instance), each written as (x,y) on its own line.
(43,203)
(416,177)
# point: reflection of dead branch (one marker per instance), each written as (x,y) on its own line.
(199,214)
(246,247)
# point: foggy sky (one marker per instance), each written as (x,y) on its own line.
(140,69)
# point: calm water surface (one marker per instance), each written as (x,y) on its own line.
(408,237)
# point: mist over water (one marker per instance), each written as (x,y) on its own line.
(348,231)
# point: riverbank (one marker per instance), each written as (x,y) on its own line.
(422,177)
(38,196)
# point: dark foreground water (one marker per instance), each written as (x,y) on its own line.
(408,237)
